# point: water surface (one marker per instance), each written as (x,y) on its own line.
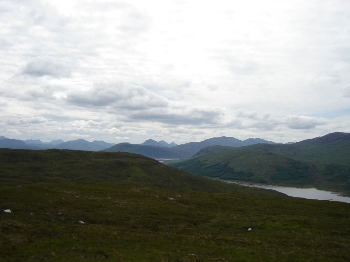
(308,193)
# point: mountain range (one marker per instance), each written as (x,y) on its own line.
(150,148)
(185,150)
(79,144)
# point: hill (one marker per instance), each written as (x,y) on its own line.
(64,205)
(28,166)
(323,162)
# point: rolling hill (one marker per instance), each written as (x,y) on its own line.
(323,162)
(34,166)
(69,205)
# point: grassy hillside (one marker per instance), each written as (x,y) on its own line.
(130,222)
(18,167)
(321,162)
(62,205)
(250,166)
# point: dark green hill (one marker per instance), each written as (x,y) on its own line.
(19,167)
(250,166)
(322,162)
(333,148)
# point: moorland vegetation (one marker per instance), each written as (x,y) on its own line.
(63,205)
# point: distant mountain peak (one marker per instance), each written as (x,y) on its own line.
(162,143)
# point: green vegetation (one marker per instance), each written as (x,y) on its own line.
(85,206)
(18,167)
(321,162)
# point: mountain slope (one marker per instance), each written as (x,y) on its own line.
(322,162)
(250,166)
(333,148)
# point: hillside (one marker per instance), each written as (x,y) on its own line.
(27,166)
(323,162)
(64,205)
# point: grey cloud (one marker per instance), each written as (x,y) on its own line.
(118,96)
(303,122)
(14,121)
(252,120)
(43,66)
(194,116)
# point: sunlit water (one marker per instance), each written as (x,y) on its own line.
(308,193)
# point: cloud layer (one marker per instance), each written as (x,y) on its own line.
(175,71)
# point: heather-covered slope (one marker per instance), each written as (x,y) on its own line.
(19,167)
(322,162)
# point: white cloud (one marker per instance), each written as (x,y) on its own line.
(346,91)
(179,70)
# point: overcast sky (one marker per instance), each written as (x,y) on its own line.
(177,71)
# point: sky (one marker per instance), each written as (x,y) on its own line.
(174,70)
